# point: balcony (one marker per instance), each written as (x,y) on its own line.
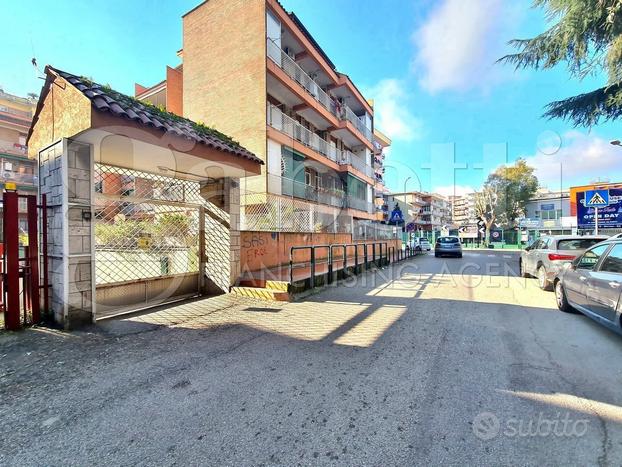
(349,115)
(294,71)
(10,147)
(289,187)
(19,178)
(286,124)
(360,204)
(359,164)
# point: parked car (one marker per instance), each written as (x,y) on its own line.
(592,284)
(613,237)
(545,257)
(448,246)
(422,244)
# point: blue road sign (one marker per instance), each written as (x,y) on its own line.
(596,198)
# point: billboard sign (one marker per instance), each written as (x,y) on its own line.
(530,223)
(609,217)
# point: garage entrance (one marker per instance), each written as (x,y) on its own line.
(148,231)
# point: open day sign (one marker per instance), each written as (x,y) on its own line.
(608,217)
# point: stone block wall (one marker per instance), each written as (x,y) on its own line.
(65,178)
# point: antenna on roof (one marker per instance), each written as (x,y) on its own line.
(36,67)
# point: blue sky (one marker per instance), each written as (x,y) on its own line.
(429,66)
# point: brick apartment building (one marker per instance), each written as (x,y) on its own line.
(252,70)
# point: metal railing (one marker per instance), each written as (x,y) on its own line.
(360,204)
(7,176)
(12,147)
(358,123)
(286,124)
(290,187)
(358,163)
(377,254)
(278,120)
(294,71)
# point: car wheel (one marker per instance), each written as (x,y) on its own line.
(522,270)
(560,298)
(436,255)
(542,280)
(460,255)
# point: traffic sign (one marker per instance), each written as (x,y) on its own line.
(596,198)
(482,230)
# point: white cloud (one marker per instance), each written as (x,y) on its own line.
(451,190)
(457,46)
(581,159)
(391,112)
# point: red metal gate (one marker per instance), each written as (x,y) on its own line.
(22,279)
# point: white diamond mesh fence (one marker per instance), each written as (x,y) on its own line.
(273,213)
(146,225)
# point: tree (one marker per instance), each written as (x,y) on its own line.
(587,36)
(504,195)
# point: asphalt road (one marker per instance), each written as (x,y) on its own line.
(432,361)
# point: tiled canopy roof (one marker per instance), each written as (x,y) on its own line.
(105,99)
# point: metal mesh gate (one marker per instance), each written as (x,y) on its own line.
(147,229)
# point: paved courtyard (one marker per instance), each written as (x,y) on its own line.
(426,362)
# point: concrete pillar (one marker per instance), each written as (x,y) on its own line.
(232,206)
(65,176)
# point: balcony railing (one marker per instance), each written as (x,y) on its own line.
(286,124)
(25,179)
(294,71)
(11,147)
(360,204)
(358,123)
(294,188)
(358,163)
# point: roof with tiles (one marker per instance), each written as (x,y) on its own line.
(105,99)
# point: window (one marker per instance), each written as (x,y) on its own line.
(591,257)
(448,240)
(613,261)
(578,243)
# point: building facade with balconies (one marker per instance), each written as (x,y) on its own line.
(15,166)
(252,70)
(381,143)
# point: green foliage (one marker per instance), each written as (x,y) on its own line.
(505,193)
(587,36)
(170,228)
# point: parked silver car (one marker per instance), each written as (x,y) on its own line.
(592,284)
(448,246)
(545,257)
(422,244)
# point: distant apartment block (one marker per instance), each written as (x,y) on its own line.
(463,210)
(436,212)
(15,166)
(253,71)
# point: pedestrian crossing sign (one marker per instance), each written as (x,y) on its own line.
(596,198)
